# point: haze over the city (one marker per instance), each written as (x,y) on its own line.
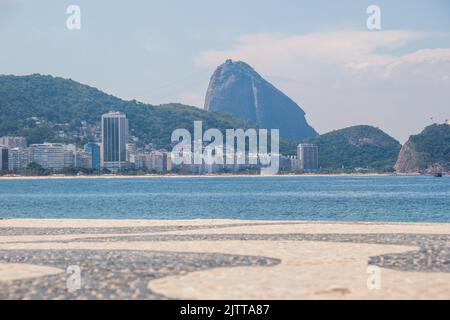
(319,53)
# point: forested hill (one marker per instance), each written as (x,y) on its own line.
(357,147)
(58,101)
(428,151)
(55,101)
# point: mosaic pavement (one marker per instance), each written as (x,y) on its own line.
(122,262)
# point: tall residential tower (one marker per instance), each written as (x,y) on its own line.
(307,153)
(114,140)
(3,158)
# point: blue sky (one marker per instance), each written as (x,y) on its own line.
(320,53)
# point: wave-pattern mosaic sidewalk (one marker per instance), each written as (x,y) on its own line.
(223,259)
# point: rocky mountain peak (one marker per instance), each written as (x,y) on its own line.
(236,88)
(426,152)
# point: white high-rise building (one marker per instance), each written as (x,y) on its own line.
(114,141)
(13,142)
(48,155)
(131,150)
(70,151)
(18,158)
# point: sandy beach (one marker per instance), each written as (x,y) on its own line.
(149,176)
(224,259)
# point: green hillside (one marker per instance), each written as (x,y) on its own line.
(427,150)
(62,101)
(59,100)
(356,147)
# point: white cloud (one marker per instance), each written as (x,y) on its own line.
(342,78)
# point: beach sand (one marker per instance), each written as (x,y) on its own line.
(224,259)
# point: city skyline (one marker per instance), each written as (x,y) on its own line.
(320,54)
(117,152)
(212,152)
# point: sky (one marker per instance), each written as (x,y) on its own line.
(319,53)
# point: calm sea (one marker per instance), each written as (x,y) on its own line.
(380,198)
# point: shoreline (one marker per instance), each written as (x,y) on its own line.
(223,259)
(56,222)
(171,176)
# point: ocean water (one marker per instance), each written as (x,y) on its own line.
(375,198)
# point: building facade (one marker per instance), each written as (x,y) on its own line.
(4,158)
(49,155)
(94,150)
(18,158)
(114,140)
(13,142)
(157,161)
(83,159)
(70,152)
(308,156)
